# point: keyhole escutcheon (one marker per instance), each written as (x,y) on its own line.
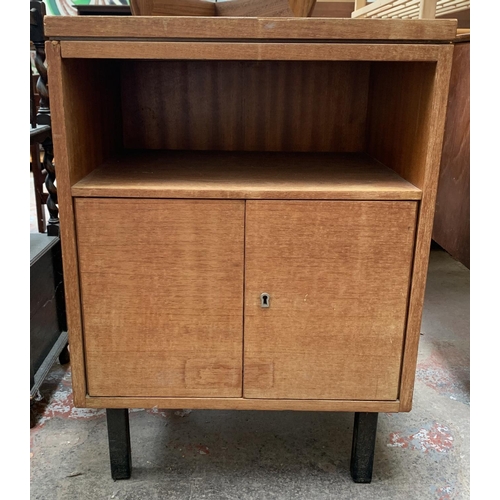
(265,300)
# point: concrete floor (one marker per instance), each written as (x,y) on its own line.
(217,455)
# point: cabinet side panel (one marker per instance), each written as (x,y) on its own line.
(398,118)
(86,128)
(162,295)
(407,109)
(434,136)
(92,112)
(338,276)
(249,106)
(60,137)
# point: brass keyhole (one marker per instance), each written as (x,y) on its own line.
(265,300)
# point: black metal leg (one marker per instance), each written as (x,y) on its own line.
(119,443)
(64,355)
(363,446)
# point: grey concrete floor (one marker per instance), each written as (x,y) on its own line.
(423,454)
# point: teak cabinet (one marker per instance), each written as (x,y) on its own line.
(246,209)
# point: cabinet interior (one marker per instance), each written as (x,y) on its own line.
(355,116)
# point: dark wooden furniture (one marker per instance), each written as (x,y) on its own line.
(452,219)
(40,127)
(48,330)
(38,134)
(247,210)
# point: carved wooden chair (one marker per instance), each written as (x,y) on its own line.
(48,330)
(40,131)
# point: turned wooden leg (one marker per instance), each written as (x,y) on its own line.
(33,416)
(363,446)
(64,356)
(119,443)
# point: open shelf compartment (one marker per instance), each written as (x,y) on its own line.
(248,129)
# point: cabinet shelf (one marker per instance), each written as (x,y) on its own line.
(245,175)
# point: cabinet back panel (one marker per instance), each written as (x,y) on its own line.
(248,106)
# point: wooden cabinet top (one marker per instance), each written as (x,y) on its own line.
(249,28)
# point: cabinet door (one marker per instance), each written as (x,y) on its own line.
(338,275)
(162,296)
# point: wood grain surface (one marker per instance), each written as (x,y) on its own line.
(92,108)
(244,404)
(254,8)
(452,218)
(190,174)
(393,108)
(248,106)
(405,131)
(255,51)
(302,8)
(141,7)
(163,27)
(67,229)
(85,129)
(398,114)
(435,114)
(172,8)
(338,275)
(162,296)
(333,9)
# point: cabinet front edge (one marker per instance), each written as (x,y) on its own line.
(250,51)
(243,404)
